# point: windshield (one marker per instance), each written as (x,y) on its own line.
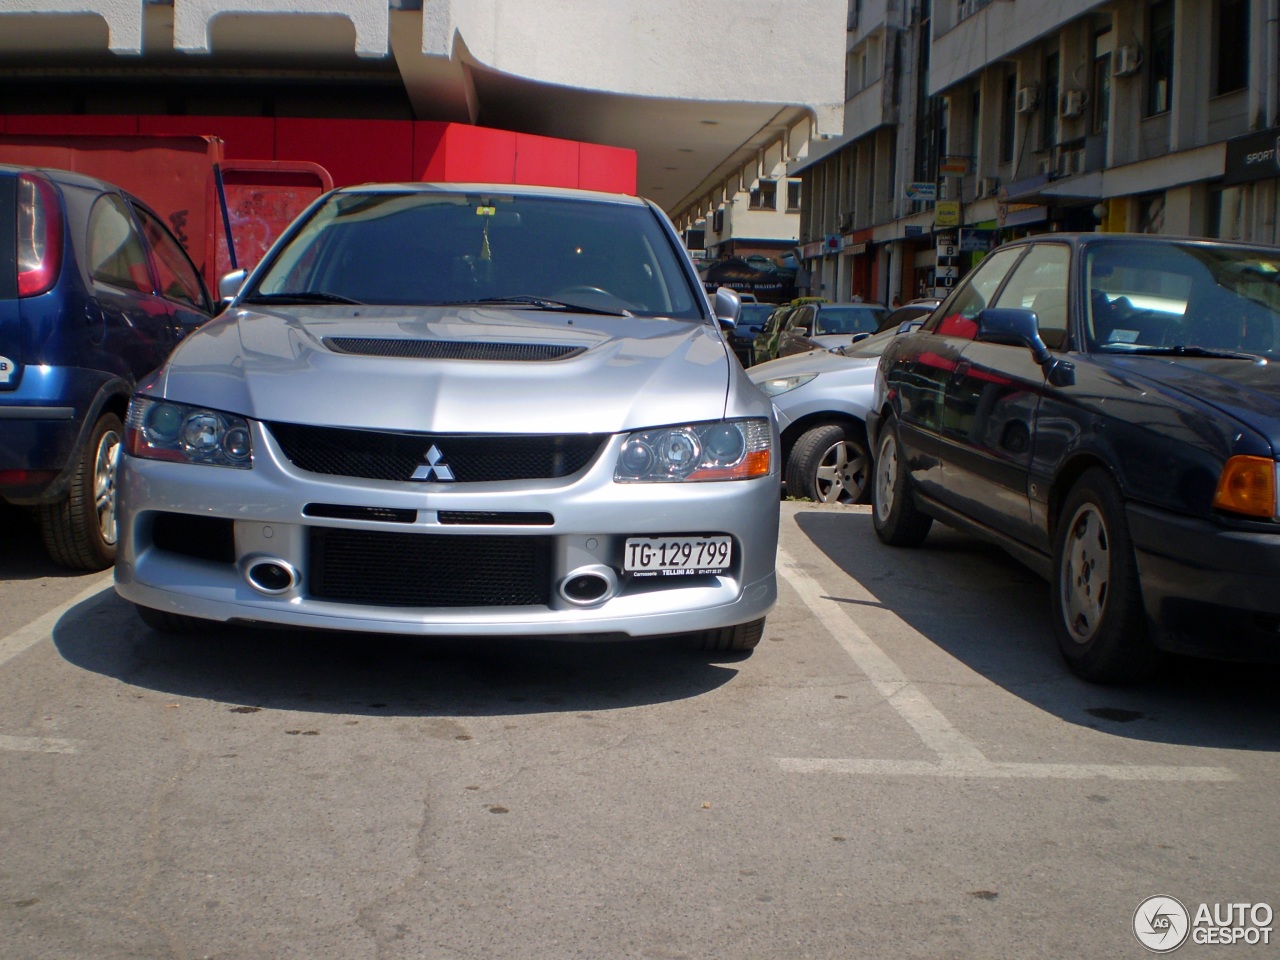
(837,318)
(423,248)
(1183,298)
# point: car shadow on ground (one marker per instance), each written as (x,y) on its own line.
(22,554)
(384,675)
(991,613)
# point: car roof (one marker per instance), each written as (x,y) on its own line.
(57,175)
(1150,239)
(505,189)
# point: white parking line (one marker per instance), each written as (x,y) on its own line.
(39,745)
(958,756)
(26,637)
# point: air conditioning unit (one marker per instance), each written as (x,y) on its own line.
(1071,104)
(987,187)
(1128,61)
(1027,99)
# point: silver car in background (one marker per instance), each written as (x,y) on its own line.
(820,400)
(458,410)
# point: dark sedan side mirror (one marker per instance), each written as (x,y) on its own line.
(1021,328)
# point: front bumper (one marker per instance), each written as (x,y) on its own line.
(1209,589)
(583,523)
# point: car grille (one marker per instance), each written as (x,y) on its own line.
(428,570)
(451,349)
(372,455)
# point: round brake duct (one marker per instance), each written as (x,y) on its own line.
(587,586)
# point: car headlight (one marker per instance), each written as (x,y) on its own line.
(776,385)
(162,430)
(722,450)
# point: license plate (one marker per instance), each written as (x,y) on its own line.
(676,556)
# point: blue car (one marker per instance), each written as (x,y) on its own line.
(94,293)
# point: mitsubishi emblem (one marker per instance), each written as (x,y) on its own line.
(434,468)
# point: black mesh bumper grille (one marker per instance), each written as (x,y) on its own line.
(373,455)
(428,570)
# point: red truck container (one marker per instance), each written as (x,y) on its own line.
(189,183)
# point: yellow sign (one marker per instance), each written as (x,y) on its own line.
(946,213)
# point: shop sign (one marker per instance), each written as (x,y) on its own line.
(922,191)
(977,241)
(913,230)
(954,166)
(1255,156)
(811,250)
(855,249)
(946,213)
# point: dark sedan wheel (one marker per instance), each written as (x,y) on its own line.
(80,531)
(828,465)
(1097,599)
(894,515)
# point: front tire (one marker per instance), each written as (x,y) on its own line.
(162,621)
(828,464)
(80,531)
(742,637)
(894,515)
(1098,614)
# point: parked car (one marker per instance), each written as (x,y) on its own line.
(94,293)
(1107,408)
(820,400)
(751,320)
(818,326)
(458,410)
(916,309)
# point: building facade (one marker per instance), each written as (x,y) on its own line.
(972,121)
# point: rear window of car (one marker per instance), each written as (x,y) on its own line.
(8,239)
(849,319)
(419,248)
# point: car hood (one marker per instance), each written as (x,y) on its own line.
(1242,389)
(815,361)
(620,373)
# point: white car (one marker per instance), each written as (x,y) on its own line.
(458,410)
(820,401)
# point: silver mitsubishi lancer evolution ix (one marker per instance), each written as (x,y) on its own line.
(458,410)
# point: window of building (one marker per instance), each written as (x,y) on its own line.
(764,196)
(793,196)
(1008,117)
(1052,67)
(1160,61)
(1231,46)
(1100,111)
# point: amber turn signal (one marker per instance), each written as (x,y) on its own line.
(1248,486)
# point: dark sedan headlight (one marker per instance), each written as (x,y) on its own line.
(162,430)
(722,450)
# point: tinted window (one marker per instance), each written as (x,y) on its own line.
(848,319)
(434,248)
(1166,296)
(958,315)
(1040,283)
(116,253)
(178,277)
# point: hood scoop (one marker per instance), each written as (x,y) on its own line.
(450,349)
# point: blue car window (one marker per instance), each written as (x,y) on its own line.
(116,253)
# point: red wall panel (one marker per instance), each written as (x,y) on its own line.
(244,138)
(611,169)
(353,151)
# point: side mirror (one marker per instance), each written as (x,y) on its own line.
(1021,328)
(229,284)
(1016,328)
(728,307)
(858,337)
(907,326)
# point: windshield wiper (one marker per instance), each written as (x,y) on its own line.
(1184,350)
(541,303)
(300,296)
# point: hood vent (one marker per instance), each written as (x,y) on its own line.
(450,349)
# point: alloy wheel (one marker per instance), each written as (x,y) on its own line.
(1085,575)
